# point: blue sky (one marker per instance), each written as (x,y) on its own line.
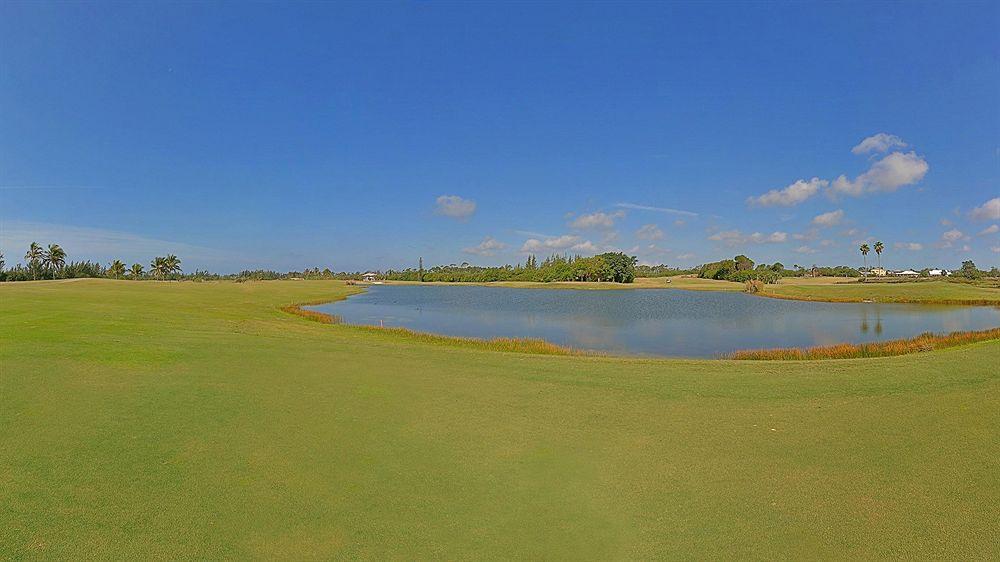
(357,136)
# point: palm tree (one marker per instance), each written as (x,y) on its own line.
(116,269)
(1,262)
(136,271)
(54,258)
(864,252)
(878,251)
(173,264)
(33,257)
(158,267)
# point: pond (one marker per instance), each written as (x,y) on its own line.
(658,322)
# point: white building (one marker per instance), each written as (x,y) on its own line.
(908,273)
(369,277)
(937,272)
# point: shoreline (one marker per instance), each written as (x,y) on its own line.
(920,343)
(875,293)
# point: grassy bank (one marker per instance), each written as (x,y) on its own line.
(197,420)
(919,344)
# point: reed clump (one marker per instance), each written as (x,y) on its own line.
(921,343)
(320,317)
(518,345)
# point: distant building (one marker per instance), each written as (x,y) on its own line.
(937,272)
(369,277)
(878,271)
(907,273)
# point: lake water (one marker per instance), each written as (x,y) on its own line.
(665,322)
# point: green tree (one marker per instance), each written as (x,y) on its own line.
(878,252)
(173,264)
(117,269)
(34,259)
(864,252)
(158,267)
(54,258)
(743,263)
(136,271)
(969,270)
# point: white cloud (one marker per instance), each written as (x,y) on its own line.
(736,238)
(995,249)
(455,207)
(792,195)
(988,211)
(597,220)
(991,229)
(488,247)
(685,256)
(806,250)
(952,235)
(649,232)
(827,220)
(656,209)
(550,244)
(886,175)
(880,142)
(679,223)
(912,246)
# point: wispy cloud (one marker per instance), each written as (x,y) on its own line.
(736,238)
(649,232)
(911,246)
(656,209)
(84,243)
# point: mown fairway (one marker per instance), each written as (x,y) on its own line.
(187,420)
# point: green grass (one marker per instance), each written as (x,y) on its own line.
(186,420)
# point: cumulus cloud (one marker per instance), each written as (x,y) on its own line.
(736,238)
(912,246)
(552,243)
(879,142)
(826,220)
(792,195)
(995,249)
(805,250)
(488,247)
(992,229)
(649,232)
(455,207)
(988,211)
(597,220)
(886,175)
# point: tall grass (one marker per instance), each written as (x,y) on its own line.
(313,315)
(923,342)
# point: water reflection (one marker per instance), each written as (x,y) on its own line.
(649,321)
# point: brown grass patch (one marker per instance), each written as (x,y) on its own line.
(320,317)
(923,342)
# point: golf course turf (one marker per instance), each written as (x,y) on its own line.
(197,420)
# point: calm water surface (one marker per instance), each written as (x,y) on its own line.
(648,321)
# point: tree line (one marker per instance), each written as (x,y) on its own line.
(49,262)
